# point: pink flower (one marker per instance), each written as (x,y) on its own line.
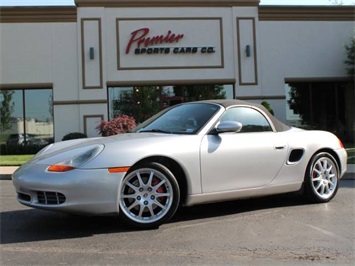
(119,125)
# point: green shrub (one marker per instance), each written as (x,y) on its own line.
(119,125)
(17,149)
(74,135)
(268,107)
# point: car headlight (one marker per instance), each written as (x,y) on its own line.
(76,161)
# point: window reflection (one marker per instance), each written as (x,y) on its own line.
(26,117)
(39,117)
(11,110)
(251,120)
(142,102)
(322,106)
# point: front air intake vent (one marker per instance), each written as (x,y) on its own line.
(50,198)
(295,155)
(24,197)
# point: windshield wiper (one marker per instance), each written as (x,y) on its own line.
(155,131)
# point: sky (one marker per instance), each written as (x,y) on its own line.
(262,2)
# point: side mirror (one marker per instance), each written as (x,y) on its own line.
(229,126)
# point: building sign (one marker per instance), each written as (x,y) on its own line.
(179,43)
(140,38)
(152,44)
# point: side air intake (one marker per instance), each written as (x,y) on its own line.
(295,156)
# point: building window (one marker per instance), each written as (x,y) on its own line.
(142,102)
(322,105)
(26,117)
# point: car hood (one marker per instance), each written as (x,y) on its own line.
(120,150)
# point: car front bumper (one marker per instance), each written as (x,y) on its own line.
(84,191)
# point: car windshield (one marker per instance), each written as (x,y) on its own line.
(181,119)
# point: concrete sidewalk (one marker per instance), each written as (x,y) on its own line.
(6,172)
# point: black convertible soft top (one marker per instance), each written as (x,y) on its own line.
(278,125)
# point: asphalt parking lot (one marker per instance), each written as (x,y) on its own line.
(278,230)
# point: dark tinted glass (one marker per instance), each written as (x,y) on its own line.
(26,117)
(182,119)
(251,119)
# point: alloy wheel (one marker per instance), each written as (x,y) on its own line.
(324,177)
(146,195)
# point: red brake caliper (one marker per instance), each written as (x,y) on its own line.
(159,190)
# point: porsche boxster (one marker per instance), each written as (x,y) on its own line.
(188,154)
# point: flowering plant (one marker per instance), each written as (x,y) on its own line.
(119,125)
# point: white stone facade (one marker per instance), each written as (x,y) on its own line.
(200,42)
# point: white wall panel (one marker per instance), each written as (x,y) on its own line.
(171,14)
(65,62)
(91,61)
(247,63)
(66,119)
(91,122)
(302,49)
(25,53)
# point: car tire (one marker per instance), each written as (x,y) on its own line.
(321,178)
(149,196)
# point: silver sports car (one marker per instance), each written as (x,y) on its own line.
(188,154)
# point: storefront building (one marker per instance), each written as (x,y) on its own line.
(65,69)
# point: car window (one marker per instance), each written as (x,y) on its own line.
(182,119)
(251,119)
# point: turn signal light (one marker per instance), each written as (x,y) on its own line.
(341,144)
(60,168)
(118,169)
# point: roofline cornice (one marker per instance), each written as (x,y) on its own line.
(38,14)
(306,13)
(165,3)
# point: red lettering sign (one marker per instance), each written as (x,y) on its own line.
(139,37)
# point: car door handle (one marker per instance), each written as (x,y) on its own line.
(281,147)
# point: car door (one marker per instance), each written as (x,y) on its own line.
(248,159)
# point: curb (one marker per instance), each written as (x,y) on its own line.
(6,172)
(349,176)
(5,177)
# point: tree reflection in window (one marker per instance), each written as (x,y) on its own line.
(142,102)
(26,117)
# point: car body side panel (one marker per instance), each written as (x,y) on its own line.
(241,193)
(232,161)
(184,149)
(291,176)
(311,142)
(91,188)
